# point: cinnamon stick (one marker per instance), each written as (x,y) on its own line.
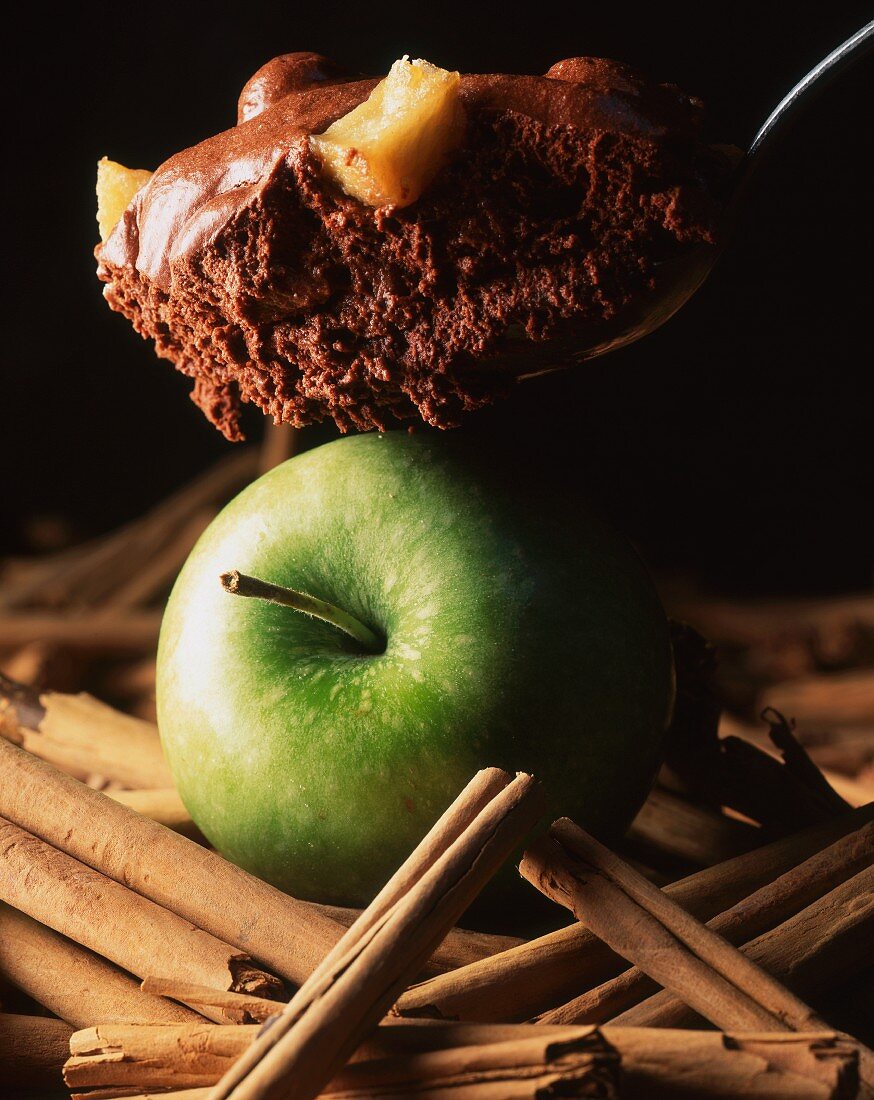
(710,1065)
(652,931)
(71,981)
(96,632)
(761,911)
(695,834)
(280,442)
(34,1050)
(79,733)
(350,992)
(115,922)
(818,947)
(158,1094)
(706,1065)
(755,623)
(534,977)
(180,1056)
(217,1004)
(836,699)
(154,577)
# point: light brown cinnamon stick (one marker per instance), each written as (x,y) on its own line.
(534,977)
(78,733)
(652,931)
(346,996)
(188,1056)
(762,910)
(157,1094)
(709,1065)
(72,982)
(32,1052)
(129,930)
(94,632)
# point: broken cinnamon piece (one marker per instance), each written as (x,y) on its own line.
(217,1004)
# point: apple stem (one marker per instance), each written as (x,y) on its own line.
(240,584)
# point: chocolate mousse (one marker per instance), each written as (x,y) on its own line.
(560,199)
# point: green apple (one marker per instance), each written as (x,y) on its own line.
(482,620)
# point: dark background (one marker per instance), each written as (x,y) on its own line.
(735,444)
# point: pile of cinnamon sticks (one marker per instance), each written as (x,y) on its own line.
(721,949)
(176,967)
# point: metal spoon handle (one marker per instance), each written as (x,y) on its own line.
(840,59)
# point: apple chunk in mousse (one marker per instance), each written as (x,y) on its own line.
(386,151)
(116,187)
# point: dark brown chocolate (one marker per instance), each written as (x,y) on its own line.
(267,285)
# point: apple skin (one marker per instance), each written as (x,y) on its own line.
(521,631)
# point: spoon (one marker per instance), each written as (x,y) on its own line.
(677,280)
